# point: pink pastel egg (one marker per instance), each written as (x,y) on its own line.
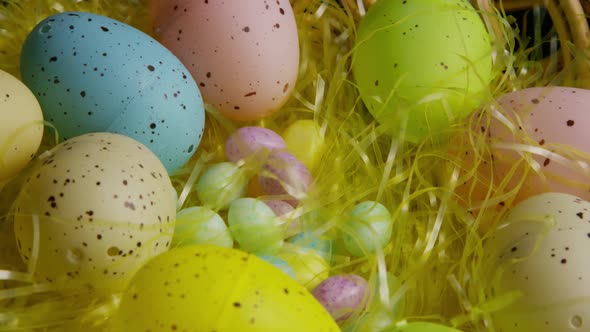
(248,140)
(280,208)
(244,55)
(554,118)
(292,177)
(342,295)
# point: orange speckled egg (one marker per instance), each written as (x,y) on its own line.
(244,55)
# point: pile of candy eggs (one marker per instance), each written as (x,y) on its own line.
(284,166)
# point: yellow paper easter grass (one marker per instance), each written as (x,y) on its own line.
(433,269)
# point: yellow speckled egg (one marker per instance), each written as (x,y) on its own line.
(21,125)
(94,209)
(206,288)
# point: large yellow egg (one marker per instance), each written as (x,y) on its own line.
(21,125)
(207,288)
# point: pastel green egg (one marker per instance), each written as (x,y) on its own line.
(200,225)
(422,64)
(220,184)
(206,288)
(367,227)
(255,226)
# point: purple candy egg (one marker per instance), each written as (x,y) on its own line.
(342,295)
(280,208)
(248,140)
(294,178)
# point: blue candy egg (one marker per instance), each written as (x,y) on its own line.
(91,73)
(311,241)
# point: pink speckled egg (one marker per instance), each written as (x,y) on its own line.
(243,54)
(555,119)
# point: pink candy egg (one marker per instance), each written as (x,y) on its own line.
(248,140)
(556,119)
(292,177)
(243,54)
(342,295)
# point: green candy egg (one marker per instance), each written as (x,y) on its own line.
(220,184)
(200,225)
(427,62)
(367,227)
(255,226)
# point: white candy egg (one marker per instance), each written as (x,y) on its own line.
(101,205)
(541,249)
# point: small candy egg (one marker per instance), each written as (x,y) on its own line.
(280,208)
(200,225)
(542,248)
(305,141)
(21,125)
(249,140)
(101,205)
(203,288)
(309,240)
(284,211)
(221,184)
(255,226)
(367,226)
(244,55)
(309,267)
(279,264)
(95,74)
(292,177)
(342,295)
(422,64)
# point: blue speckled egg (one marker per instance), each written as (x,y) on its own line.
(91,73)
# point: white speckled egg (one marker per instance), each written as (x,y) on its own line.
(102,204)
(243,54)
(552,277)
(21,125)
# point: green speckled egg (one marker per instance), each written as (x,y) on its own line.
(206,288)
(427,62)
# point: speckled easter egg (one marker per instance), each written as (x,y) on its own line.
(541,248)
(101,205)
(246,141)
(243,54)
(202,288)
(94,74)
(342,295)
(21,125)
(421,65)
(554,119)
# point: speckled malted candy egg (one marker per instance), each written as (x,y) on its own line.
(203,288)
(342,295)
(422,64)
(21,125)
(243,54)
(94,74)
(101,205)
(555,119)
(542,249)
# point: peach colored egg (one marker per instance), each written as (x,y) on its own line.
(243,54)
(552,120)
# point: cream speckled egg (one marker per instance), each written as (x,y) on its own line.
(542,249)
(244,55)
(21,125)
(102,204)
